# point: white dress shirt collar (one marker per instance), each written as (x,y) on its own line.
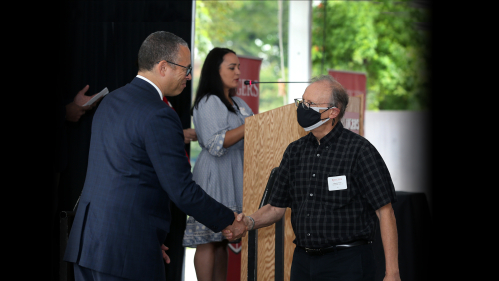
(156,87)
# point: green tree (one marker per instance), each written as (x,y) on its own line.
(381,39)
(250,28)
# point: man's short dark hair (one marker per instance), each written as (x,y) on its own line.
(158,46)
(339,96)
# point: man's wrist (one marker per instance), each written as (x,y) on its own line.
(252,223)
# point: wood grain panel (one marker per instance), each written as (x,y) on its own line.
(266,137)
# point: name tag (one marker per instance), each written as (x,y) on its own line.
(337,183)
(243,111)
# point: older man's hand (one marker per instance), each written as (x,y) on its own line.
(238,228)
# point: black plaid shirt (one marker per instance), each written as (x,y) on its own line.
(320,217)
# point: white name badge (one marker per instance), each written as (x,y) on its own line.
(243,111)
(337,183)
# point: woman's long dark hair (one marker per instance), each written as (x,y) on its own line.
(210,82)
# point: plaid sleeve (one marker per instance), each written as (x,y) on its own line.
(280,196)
(374,178)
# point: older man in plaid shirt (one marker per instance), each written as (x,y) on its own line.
(338,186)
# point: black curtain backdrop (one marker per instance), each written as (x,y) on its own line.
(98,46)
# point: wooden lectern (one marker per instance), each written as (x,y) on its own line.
(266,137)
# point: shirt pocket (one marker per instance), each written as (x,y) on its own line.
(336,199)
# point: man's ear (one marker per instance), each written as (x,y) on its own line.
(334,112)
(161,68)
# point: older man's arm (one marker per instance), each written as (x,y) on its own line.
(265,216)
(388,229)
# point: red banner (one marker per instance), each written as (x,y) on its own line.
(353,82)
(351,121)
(234,265)
(250,70)
(355,85)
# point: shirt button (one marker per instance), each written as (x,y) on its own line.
(318,155)
(311,194)
(313,175)
(308,234)
(308,215)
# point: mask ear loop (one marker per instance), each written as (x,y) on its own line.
(328,108)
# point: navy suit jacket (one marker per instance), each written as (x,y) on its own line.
(136,165)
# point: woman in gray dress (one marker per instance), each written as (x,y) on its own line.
(218,117)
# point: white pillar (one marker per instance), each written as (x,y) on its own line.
(299,48)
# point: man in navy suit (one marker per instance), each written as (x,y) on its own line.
(136,165)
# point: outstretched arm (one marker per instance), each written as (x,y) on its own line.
(265,216)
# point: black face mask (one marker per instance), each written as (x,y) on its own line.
(310,119)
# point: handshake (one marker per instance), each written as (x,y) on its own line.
(239,227)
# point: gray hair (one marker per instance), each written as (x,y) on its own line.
(339,97)
(158,46)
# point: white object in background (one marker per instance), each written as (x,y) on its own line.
(102,93)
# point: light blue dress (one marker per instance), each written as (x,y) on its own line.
(218,170)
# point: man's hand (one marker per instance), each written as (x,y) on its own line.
(81,99)
(238,228)
(165,256)
(74,112)
(75,109)
(190,135)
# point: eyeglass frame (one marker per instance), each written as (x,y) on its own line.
(307,107)
(189,68)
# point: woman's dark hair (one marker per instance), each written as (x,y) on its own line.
(210,82)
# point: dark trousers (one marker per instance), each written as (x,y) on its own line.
(86,274)
(352,264)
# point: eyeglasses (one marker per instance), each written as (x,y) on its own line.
(189,68)
(307,105)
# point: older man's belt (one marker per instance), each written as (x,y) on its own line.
(339,247)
